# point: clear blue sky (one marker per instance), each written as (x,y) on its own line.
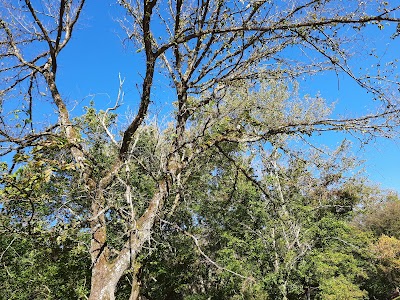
(90,65)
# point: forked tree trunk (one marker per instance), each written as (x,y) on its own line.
(104,281)
(106,275)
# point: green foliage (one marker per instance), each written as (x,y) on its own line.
(380,219)
(264,246)
(40,266)
(43,240)
(238,223)
(340,288)
(383,216)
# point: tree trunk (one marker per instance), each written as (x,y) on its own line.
(135,291)
(103,284)
(105,275)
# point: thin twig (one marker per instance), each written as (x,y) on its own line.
(196,241)
(9,245)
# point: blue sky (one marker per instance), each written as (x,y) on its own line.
(90,65)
